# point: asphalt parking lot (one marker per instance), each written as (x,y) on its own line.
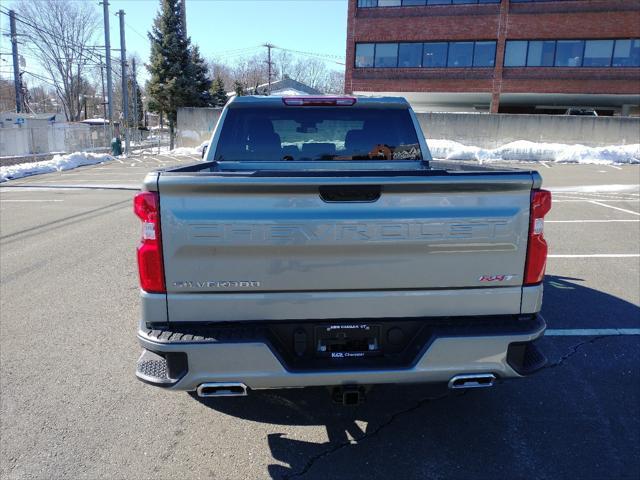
(71,407)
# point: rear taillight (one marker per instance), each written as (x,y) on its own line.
(146,206)
(537,246)
(319,101)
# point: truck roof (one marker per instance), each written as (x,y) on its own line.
(277,101)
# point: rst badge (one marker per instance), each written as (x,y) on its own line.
(496,278)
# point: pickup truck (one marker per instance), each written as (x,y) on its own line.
(318,244)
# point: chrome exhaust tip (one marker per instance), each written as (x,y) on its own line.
(476,380)
(233,389)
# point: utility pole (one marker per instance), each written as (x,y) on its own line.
(107,47)
(184,17)
(104,104)
(135,99)
(269,65)
(16,64)
(125,93)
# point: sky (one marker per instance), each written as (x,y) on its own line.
(221,27)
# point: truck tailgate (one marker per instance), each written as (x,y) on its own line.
(271,235)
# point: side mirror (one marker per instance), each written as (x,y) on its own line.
(204,150)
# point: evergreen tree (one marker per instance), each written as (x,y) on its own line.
(238,88)
(219,93)
(171,84)
(202,82)
(139,106)
(133,122)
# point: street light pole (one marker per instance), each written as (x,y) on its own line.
(107,47)
(16,63)
(125,93)
(135,99)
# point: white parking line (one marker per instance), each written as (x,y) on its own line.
(591,221)
(596,188)
(39,200)
(577,200)
(590,332)
(613,166)
(615,208)
(598,255)
(595,196)
(544,164)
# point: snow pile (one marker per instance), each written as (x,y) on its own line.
(181,151)
(525,151)
(56,164)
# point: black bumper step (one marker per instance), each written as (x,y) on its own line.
(163,370)
(525,358)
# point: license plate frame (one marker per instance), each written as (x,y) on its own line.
(347,341)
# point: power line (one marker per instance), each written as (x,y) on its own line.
(327,55)
(236,50)
(41,78)
(135,31)
(72,46)
(319,56)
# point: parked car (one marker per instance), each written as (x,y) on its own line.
(320,244)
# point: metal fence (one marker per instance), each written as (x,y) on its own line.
(73,137)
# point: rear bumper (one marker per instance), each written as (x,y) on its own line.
(498,345)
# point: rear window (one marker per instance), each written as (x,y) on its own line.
(317,133)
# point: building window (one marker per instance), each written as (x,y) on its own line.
(386,55)
(572,53)
(410,55)
(626,53)
(541,53)
(484,54)
(515,54)
(435,54)
(480,54)
(460,54)
(413,3)
(364,54)
(569,53)
(597,53)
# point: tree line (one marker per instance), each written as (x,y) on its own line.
(60,38)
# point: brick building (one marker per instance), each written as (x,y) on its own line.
(515,56)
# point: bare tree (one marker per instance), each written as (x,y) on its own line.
(219,69)
(7,96)
(60,34)
(333,82)
(41,99)
(251,71)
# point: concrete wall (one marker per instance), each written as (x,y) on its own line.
(194,125)
(483,130)
(492,131)
(52,137)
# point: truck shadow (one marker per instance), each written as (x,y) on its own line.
(569,304)
(345,427)
(420,431)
